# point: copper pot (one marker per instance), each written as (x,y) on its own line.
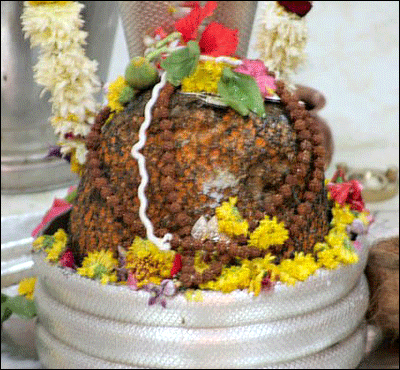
(315,101)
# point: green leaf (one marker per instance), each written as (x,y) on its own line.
(21,306)
(5,311)
(241,93)
(71,196)
(181,63)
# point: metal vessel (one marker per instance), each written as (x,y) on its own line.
(26,132)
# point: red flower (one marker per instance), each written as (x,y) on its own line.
(301,8)
(67,259)
(159,31)
(177,266)
(348,193)
(58,207)
(188,26)
(218,40)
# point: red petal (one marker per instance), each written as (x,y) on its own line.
(177,266)
(189,25)
(159,31)
(301,8)
(67,259)
(340,192)
(209,9)
(218,40)
(190,4)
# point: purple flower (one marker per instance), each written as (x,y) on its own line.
(259,72)
(358,227)
(55,151)
(161,292)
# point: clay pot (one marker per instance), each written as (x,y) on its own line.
(315,101)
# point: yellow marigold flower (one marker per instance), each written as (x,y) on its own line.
(147,263)
(54,253)
(269,232)
(26,287)
(61,236)
(318,247)
(342,215)
(199,265)
(337,236)
(114,92)
(328,258)
(205,78)
(76,167)
(230,221)
(99,265)
(285,278)
(56,245)
(346,256)
(43,242)
(299,268)
(256,284)
(247,276)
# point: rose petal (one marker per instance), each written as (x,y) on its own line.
(253,68)
(266,84)
(218,40)
(301,8)
(177,265)
(188,26)
(58,207)
(67,259)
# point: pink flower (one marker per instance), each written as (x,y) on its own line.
(348,193)
(267,284)
(132,281)
(257,69)
(358,245)
(58,207)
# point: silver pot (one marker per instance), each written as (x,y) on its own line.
(26,132)
(138,17)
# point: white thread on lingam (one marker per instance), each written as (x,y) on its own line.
(161,243)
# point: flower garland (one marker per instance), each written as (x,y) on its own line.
(282,38)
(64,71)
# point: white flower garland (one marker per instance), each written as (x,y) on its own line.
(281,40)
(63,69)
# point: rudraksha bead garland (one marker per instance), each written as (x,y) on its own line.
(100,181)
(307,174)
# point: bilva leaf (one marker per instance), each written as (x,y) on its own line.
(181,63)
(241,93)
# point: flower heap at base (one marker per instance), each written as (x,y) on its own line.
(149,267)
